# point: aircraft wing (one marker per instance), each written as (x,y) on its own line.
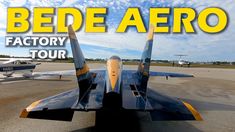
(153,73)
(169,74)
(62,73)
(168,108)
(161,107)
(62,106)
(15,59)
(72,73)
(54,73)
(58,107)
(4,59)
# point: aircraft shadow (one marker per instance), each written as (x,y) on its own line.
(129,121)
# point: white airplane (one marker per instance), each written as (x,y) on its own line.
(9,66)
(25,66)
(182,62)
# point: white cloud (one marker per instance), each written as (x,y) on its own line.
(2,33)
(2,26)
(131,40)
(68,3)
(3,11)
(17,3)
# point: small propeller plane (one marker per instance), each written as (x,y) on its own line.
(26,67)
(12,65)
(114,88)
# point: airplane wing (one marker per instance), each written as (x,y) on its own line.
(168,108)
(161,107)
(58,107)
(62,73)
(5,59)
(152,73)
(62,106)
(15,59)
(54,73)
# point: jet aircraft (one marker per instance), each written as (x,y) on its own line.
(112,89)
(182,62)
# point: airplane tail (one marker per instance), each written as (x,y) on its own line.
(144,65)
(84,77)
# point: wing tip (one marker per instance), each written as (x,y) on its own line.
(57,114)
(195,113)
(24,114)
(33,105)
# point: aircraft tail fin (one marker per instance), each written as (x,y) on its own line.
(79,60)
(84,77)
(144,65)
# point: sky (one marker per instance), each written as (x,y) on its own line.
(199,47)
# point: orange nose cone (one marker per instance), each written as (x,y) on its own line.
(113,72)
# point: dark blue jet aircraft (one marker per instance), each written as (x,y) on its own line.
(112,89)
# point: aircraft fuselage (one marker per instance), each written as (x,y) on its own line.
(10,68)
(112,96)
(114,73)
(7,68)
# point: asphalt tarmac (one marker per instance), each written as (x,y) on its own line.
(211,92)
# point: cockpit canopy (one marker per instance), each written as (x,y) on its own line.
(115,58)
